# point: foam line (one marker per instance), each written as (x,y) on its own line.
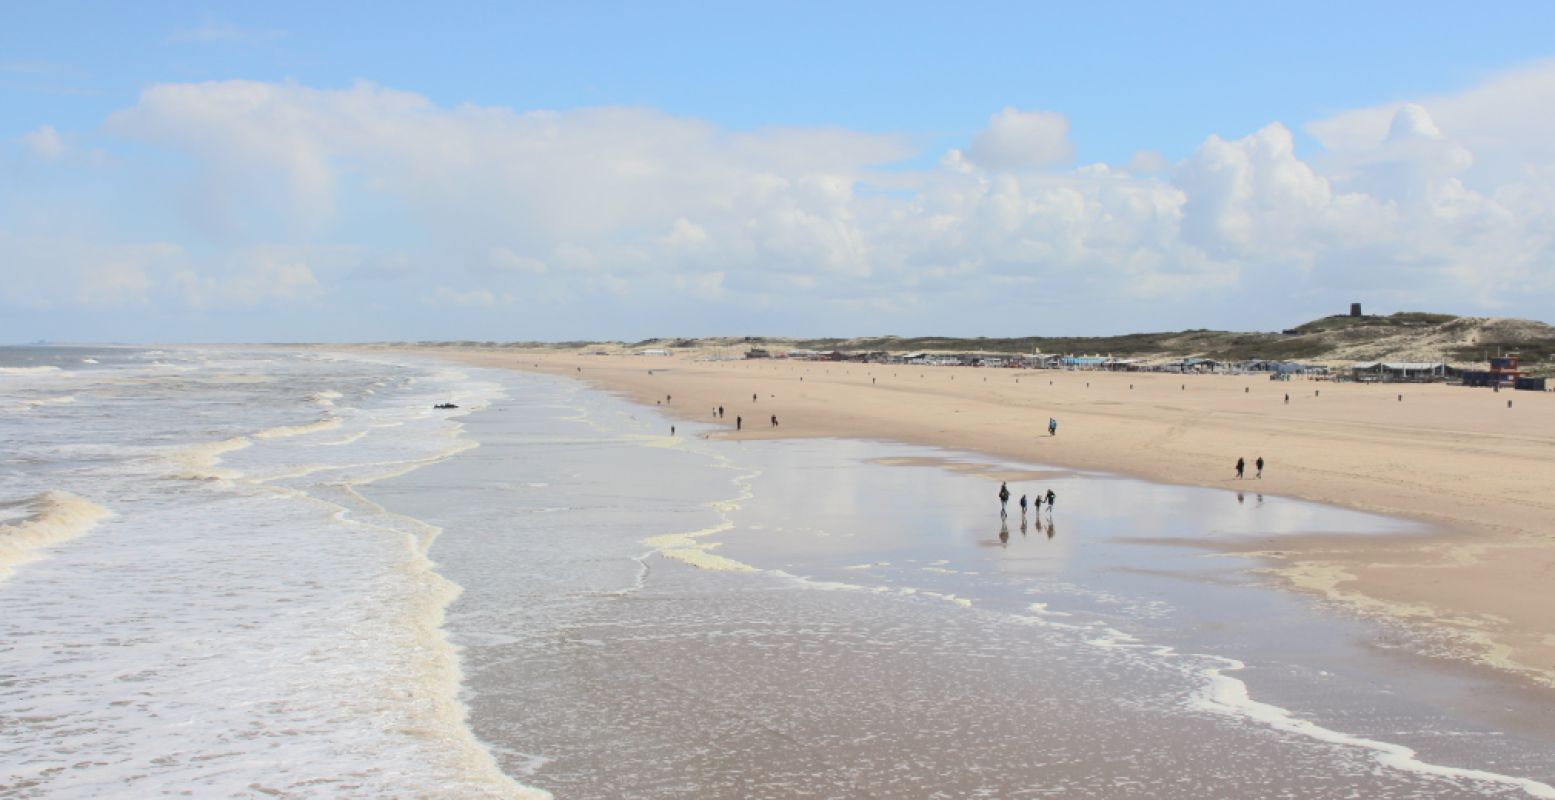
(199,461)
(299,430)
(1228,695)
(57,516)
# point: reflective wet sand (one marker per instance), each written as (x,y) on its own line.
(898,638)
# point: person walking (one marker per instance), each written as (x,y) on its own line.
(1241,466)
(1052,426)
(739,422)
(1051,499)
(1023,506)
(1004,498)
(1036,502)
(1259,465)
(774,420)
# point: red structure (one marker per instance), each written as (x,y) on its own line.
(1503,370)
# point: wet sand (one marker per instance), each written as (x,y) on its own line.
(871,627)
(1458,459)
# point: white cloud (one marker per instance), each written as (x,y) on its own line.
(1148,162)
(251,277)
(48,272)
(1022,140)
(505,259)
(44,143)
(1413,200)
(474,298)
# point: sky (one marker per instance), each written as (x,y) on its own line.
(374,171)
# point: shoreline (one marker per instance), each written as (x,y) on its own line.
(1447,460)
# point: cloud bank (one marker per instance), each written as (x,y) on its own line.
(295,196)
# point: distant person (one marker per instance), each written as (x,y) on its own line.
(1051,499)
(1259,465)
(1052,426)
(1287,398)
(666,399)
(739,422)
(1036,502)
(1023,506)
(774,420)
(1004,497)
(720,412)
(1241,466)
(753,397)
(672,430)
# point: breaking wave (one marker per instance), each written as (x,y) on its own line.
(56,516)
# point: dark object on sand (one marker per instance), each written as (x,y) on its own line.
(445,405)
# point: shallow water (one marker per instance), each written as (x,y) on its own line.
(835,626)
(193,599)
(214,580)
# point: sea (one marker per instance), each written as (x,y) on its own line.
(283,572)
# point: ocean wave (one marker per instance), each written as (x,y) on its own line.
(284,431)
(28,370)
(56,516)
(198,462)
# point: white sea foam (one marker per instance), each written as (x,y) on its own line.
(1227,695)
(283,431)
(55,516)
(199,462)
(28,370)
(209,672)
(689,546)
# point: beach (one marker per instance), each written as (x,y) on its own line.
(299,571)
(1460,460)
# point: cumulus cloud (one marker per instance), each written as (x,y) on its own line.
(44,143)
(250,277)
(48,272)
(558,209)
(1022,140)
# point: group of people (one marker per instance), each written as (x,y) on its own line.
(1036,501)
(1241,467)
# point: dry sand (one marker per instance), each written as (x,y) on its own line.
(1480,473)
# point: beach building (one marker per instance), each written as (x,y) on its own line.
(1398,371)
(1504,370)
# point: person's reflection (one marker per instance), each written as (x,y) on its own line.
(1004,533)
(1023,525)
(1259,500)
(1051,528)
(1240,498)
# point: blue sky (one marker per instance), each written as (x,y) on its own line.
(367,171)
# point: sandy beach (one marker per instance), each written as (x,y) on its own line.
(1461,460)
